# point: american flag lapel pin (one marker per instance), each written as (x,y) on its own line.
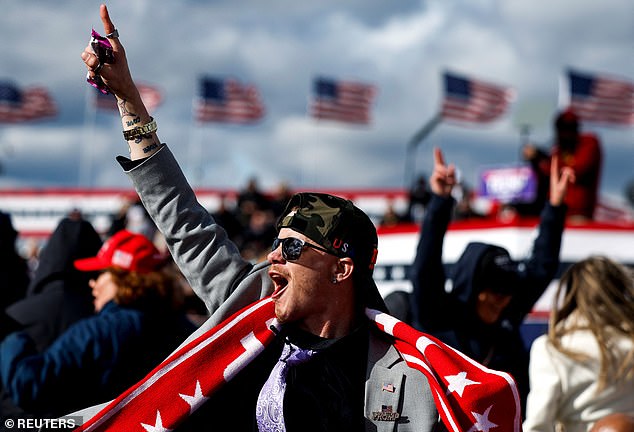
(388,388)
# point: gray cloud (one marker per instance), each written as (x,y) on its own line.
(402,47)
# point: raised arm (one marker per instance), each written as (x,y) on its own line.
(209,260)
(542,265)
(427,273)
(117,76)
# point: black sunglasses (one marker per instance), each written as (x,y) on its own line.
(292,247)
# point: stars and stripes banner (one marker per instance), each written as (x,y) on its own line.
(474,101)
(601,99)
(20,105)
(225,100)
(151,96)
(469,396)
(343,101)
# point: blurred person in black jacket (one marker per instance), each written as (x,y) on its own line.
(59,294)
(14,270)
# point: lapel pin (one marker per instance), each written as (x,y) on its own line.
(386,414)
(388,388)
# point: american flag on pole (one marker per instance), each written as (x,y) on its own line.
(151,96)
(225,100)
(343,101)
(474,101)
(601,99)
(18,105)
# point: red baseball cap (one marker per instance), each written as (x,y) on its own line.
(125,250)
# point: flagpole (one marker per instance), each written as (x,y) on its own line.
(563,98)
(410,160)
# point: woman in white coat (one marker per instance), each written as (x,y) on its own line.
(583,369)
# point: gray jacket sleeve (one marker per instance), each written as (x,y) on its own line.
(201,248)
(208,259)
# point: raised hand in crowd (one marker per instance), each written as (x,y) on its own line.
(559,182)
(136,120)
(443,177)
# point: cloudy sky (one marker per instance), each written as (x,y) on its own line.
(402,47)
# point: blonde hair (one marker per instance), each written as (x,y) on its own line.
(601,292)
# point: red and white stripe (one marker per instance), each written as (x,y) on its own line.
(610,101)
(352,104)
(242,104)
(485,103)
(36,103)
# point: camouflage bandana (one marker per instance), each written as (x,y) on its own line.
(335,224)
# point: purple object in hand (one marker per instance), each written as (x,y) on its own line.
(103,49)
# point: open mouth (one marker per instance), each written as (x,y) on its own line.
(279,282)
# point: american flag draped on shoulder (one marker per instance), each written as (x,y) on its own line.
(151,96)
(344,101)
(469,396)
(17,105)
(225,100)
(601,99)
(474,101)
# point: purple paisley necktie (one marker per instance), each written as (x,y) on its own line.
(269,410)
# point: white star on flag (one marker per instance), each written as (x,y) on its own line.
(457,383)
(158,425)
(196,400)
(482,424)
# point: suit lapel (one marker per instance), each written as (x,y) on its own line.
(383,387)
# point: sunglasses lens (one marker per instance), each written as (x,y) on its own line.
(292,248)
(276,244)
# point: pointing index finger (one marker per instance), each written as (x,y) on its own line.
(108,26)
(438,157)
